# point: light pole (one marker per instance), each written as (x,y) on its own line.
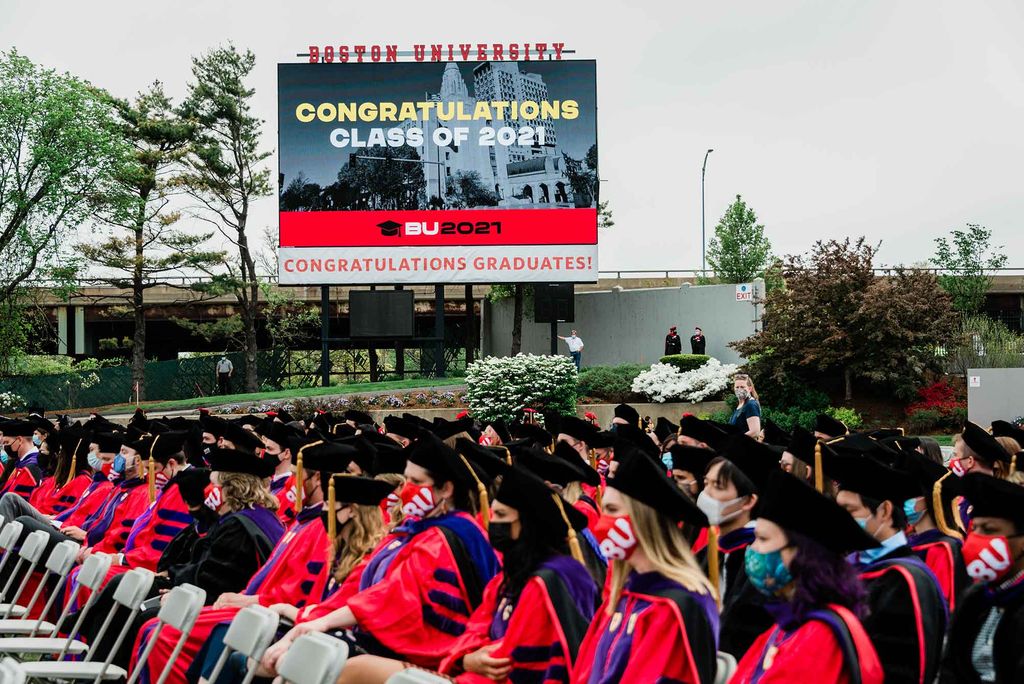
(703,244)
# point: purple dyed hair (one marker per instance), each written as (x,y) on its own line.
(822,577)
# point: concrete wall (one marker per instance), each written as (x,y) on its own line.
(994,394)
(629,326)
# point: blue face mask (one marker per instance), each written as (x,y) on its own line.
(4,456)
(37,440)
(913,516)
(119,464)
(666,458)
(95,462)
(766,571)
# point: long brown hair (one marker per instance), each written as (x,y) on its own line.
(355,539)
(666,549)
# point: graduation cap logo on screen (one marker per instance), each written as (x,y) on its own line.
(389,228)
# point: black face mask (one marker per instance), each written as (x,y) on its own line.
(204,517)
(500,534)
(325,520)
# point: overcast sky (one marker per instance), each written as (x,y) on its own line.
(894,120)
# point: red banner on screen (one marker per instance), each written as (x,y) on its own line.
(460,227)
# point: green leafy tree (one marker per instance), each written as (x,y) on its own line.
(835,317)
(969,258)
(226,171)
(739,251)
(381,184)
(137,242)
(58,144)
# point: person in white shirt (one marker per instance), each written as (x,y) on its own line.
(224,371)
(575,347)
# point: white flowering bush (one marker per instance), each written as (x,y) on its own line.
(664,382)
(9,401)
(502,386)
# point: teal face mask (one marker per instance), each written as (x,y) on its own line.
(913,516)
(766,571)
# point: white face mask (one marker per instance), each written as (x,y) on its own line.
(712,508)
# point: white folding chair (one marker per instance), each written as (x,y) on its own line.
(179,610)
(30,554)
(59,564)
(11,672)
(91,576)
(413,676)
(8,538)
(726,667)
(250,633)
(130,593)
(313,658)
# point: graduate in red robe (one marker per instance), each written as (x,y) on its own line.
(797,560)
(534,613)
(660,620)
(25,475)
(417,593)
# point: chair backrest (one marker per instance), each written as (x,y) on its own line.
(726,667)
(59,564)
(9,536)
(132,589)
(11,672)
(250,633)
(313,658)
(93,571)
(30,554)
(412,676)
(179,609)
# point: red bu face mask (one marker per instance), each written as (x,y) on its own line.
(417,501)
(615,536)
(988,559)
(214,497)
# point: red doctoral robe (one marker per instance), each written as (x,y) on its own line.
(418,593)
(540,632)
(819,650)
(658,632)
(88,502)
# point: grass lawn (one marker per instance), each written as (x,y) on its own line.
(943,440)
(304,392)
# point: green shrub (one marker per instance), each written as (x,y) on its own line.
(722,416)
(686,362)
(848,416)
(923,421)
(611,383)
(501,387)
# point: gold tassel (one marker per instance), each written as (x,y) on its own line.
(508,454)
(332,514)
(713,560)
(903,432)
(574,542)
(74,464)
(152,470)
(940,511)
(298,475)
(485,506)
(819,476)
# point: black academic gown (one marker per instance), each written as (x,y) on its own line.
(1007,646)
(743,617)
(907,616)
(673,344)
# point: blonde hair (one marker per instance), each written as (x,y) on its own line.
(361,535)
(572,492)
(397,481)
(1000,470)
(750,383)
(242,491)
(665,547)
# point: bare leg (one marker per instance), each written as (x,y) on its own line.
(367,669)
